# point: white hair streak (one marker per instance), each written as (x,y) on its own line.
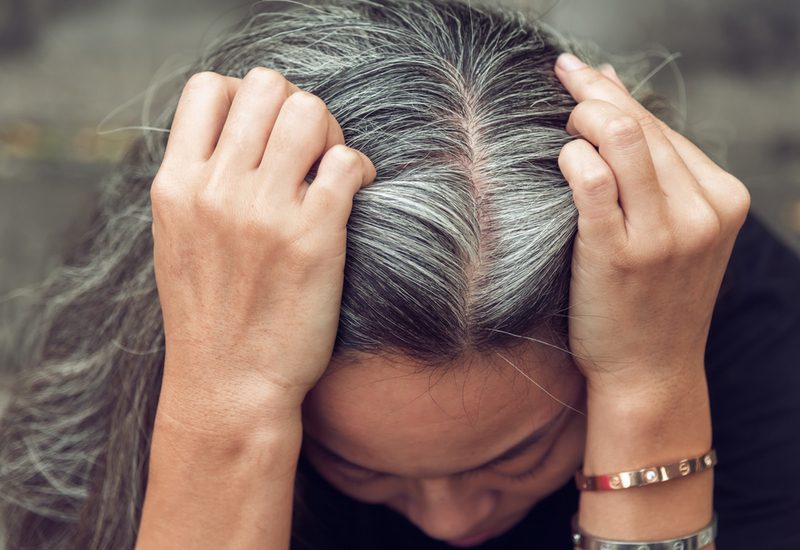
(462,244)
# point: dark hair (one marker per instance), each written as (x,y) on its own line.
(462,243)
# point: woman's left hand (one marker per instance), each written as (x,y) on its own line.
(657,220)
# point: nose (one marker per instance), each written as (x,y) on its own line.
(449,509)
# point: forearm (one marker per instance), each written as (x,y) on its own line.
(628,432)
(216,489)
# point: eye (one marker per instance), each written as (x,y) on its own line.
(526,474)
(354,473)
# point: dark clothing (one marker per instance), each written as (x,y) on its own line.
(753,371)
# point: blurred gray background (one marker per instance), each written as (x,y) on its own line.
(67,64)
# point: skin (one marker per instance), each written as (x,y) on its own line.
(250,291)
(425,429)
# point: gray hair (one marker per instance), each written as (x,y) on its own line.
(461,244)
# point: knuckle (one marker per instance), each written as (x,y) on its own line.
(162,195)
(583,112)
(264,76)
(209,204)
(739,199)
(325,199)
(583,108)
(309,104)
(596,179)
(253,228)
(578,110)
(566,153)
(622,130)
(705,230)
(344,159)
(647,120)
(204,80)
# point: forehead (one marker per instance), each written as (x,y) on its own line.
(391,415)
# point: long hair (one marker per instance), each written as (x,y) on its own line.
(462,243)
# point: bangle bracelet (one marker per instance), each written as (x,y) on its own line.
(695,541)
(646,476)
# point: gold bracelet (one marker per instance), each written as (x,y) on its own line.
(646,476)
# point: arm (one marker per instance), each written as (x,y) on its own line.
(657,221)
(626,434)
(250,290)
(220,488)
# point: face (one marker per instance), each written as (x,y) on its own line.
(462,452)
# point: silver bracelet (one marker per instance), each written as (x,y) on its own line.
(695,541)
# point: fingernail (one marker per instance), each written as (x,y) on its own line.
(569,62)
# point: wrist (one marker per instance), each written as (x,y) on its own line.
(214,398)
(212,488)
(637,430)
(192,420)
(647,379)
(640,429)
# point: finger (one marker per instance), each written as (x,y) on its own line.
(585,82)
(200,116)
(694,158)
(686,174)
(251,117)
(343,171)
(608,70)
(333,136)
(594,191)
(623,146)
(300,137)
(729,197)
(724,192)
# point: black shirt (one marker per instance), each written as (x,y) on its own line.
(753,372)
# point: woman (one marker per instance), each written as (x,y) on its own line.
(486,289)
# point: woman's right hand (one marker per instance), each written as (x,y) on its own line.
(249,259)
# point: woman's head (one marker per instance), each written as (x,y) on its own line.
(459,247)
(457,253)
(462,451)
(465,234)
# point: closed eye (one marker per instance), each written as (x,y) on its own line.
(530,472)
(365,476)
(517,477)
(353,471)
(527,474)
(361,474)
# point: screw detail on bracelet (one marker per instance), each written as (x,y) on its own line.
(693,541)
(646,476)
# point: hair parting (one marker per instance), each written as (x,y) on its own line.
(461,244)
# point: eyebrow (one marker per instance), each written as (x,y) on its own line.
(511,453)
